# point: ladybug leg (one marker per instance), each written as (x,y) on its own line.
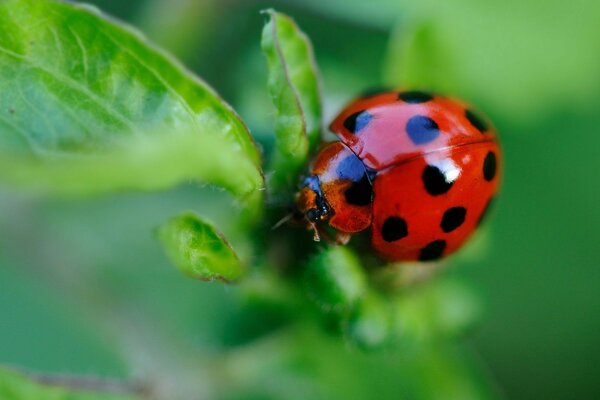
(316,231)
(340,238)
(282,221)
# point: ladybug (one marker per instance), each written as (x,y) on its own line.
(417,169)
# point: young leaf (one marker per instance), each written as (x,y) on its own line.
(16,386)
(198,250)
(87,103)
(294,89)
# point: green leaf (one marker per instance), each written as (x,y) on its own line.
(146,163)
(335,280)
(87,105)
(199,250)
(16,386)
(309,364)
(294,89)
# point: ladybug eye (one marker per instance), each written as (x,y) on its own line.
(313,215)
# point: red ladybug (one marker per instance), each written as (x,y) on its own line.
(420,170)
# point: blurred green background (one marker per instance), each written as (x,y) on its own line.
(76,273)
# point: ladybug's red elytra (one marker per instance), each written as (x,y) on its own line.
(420,170)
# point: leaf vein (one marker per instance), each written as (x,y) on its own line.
(157,75)
(286,74)
(75,86)
(84,55)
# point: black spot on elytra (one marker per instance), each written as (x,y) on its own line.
(435,181)
(360,193)
(486,211)
(453,218)
(476,121)
(489,166)
(415,97)
(433,250)
(422,129)
(394,228)
(358,121)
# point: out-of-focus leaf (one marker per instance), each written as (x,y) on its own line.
(147,163)
(507,55)
(77,86)
(181,26)
(448,371)
(266,288)
(15,386)
(369,323)
(428,312)
(438,309)
(198,250)
(414,57)
(335,280)
(302,363)
(294,89)
(370,14)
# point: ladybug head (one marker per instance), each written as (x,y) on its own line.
(311,202)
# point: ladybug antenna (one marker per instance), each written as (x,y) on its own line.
(282,221)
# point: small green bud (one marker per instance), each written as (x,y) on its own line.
(199,250)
